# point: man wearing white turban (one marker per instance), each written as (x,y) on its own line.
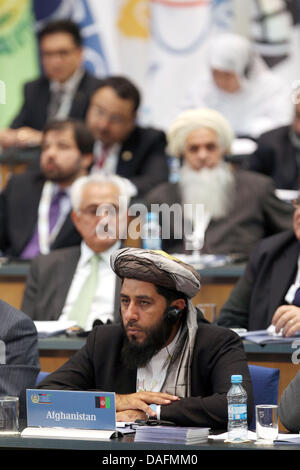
(236,82)
(240,207)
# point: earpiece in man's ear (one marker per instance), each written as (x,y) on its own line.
(172,314)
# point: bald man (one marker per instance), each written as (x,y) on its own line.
(240,207)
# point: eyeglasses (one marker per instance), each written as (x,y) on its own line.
(112,118)
(61,53)
(103,210)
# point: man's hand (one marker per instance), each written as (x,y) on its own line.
(287,318)
(140,401)
(26,137)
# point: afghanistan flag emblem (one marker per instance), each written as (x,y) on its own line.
(102,402)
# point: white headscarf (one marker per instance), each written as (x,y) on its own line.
(262,102)
(193,119)
(233,53)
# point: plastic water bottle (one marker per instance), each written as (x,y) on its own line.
(174,169)
(151,233)
(237,410)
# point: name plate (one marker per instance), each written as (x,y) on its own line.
(71,409)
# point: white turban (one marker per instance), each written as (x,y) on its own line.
(193,119)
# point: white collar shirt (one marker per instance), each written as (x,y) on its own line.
(102,307)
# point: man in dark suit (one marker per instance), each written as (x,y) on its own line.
(266,293)
(159,355)
(122,146)
(35,205)
(58,281)
(62,91)
(239,207)
(19,357)
(278,154)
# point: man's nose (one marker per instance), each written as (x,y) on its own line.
(50,151)
(131,312)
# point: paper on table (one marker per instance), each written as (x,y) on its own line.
(68,433)
(51,328)
(267,336)
(252,436)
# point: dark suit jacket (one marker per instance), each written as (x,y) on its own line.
(261,290)
(218,353)
(256,213)
(142,158)
(276,157)
(18,333)
(37,96)
(19,203)
(48,283)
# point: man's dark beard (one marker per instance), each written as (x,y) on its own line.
(136,355)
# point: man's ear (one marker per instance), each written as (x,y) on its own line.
(178,303)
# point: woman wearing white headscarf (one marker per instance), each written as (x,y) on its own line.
(239,85)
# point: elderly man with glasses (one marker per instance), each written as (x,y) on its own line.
(77,283)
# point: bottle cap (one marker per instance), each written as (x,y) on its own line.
(152,216)
(235,379)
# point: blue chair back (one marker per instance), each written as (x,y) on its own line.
(265,382)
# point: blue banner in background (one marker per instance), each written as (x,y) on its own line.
(80,12)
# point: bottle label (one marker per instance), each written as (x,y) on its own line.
(237,411)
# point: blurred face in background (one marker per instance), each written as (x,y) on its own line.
(95,199)
(109,117)
(61,160)
(226,81)
(60,55)
(204,177)
(202,149)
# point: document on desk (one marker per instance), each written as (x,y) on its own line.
(171,434)
(69,433)
(288,439)
(282,438)
(266,337)
(52,328)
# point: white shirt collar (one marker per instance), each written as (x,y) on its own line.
(87,253)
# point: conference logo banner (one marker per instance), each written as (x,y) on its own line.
(179,32)
(18,52)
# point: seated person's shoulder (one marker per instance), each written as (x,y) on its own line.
(215,334)
(11,316)
(150,132)
(268,138)
(248,177)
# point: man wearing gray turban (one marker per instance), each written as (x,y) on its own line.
(163,360)
(239,207)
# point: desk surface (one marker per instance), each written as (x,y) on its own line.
(62,342)
(21,268)
(127,443)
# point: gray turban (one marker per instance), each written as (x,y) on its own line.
(156,267)
(193,119)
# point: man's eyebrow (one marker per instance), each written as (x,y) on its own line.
(146,297)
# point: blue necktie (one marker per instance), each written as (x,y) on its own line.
(296,300)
